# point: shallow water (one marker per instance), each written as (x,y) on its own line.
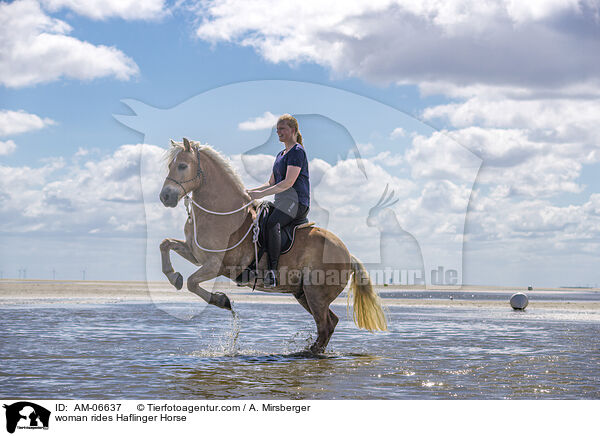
(504,295)
(136,351)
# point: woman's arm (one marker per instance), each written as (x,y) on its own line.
(271,182)
(290,178)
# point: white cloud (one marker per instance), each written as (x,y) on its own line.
(365,148)
(398,132)
(593,206)
(81,152)
(554,119)
(7,147)
(15,122)
(522,12)
(542,45)
(388,158)
(103,9)
(533,147)
(266,121)
(522,166)
(535,220)
(440,157)
(443,195)
(99,195)
(261,164)
(37,49)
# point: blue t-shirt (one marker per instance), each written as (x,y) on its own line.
(300,190)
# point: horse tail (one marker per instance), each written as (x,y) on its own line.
(368,312)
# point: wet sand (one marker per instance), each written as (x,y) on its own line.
(105,292)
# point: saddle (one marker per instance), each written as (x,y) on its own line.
(288,234)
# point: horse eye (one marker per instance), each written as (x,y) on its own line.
(182,167)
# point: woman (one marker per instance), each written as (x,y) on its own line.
(290,183)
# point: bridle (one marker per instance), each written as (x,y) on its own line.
(199,175)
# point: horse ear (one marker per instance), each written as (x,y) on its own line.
(186,144)
(173,143)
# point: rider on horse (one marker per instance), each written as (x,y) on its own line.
(289,182)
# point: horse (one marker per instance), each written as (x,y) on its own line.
(315,270)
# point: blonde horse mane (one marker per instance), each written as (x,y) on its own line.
(219,159)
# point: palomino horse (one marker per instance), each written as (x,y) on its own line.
(315,270)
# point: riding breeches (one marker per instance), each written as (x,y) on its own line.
(285,212)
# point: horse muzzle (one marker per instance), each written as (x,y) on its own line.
(169,196)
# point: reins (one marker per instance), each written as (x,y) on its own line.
(188,200)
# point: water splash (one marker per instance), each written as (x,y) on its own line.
(231,346)
(300,341)
(227,345)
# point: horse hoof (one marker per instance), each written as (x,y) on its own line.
(315,349)
(221,300)
(178,281)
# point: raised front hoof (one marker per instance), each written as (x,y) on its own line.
(176,279)
(179,282)
(221,300)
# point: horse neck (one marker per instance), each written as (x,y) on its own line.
(219,192)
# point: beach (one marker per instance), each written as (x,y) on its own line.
(49,291)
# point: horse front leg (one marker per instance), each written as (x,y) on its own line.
(207,272)
(181,248)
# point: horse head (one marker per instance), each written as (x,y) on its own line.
(379,213)
(185,173)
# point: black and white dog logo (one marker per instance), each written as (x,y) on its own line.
(26,415)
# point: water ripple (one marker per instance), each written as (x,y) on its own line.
(139,351)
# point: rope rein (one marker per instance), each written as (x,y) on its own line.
(253,226)
(217,213)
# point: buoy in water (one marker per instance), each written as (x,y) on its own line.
(519,301)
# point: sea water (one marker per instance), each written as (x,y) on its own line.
(137,351)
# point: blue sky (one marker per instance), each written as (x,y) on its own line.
(516,86)
(174,66)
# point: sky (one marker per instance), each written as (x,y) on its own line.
(480,116)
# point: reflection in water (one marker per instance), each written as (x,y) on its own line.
(267,375)
(137,351)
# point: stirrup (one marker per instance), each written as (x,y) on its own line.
(270,279)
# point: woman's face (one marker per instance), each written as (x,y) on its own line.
(285,132)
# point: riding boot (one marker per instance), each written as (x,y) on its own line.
(273,251)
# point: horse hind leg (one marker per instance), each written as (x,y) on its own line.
(301,298)
(326,322)
(331,322)
(318,301)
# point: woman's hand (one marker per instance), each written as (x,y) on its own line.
(254,195)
